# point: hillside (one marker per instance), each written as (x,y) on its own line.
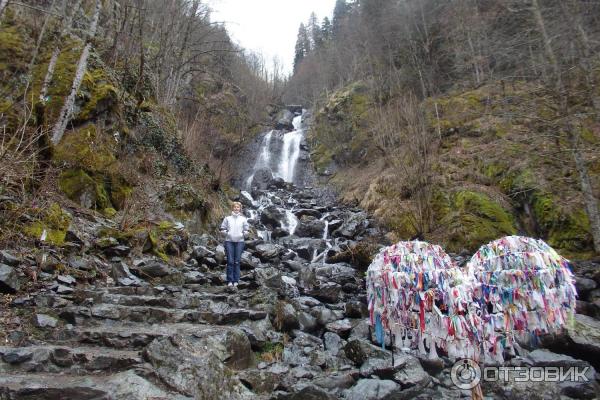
(459,123)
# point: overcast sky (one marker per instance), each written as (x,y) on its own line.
(268,26)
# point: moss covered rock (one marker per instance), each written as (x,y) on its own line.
(475,219)
(82,188)
(51,225)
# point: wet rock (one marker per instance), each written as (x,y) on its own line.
(310,227)
(284,120)
(340,273)
(307,211)
(201,252)
(272,217)
(262,178)
(9,281)
(354,224)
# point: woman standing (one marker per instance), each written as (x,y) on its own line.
(235,228)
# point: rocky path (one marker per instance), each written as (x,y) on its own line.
(295,328)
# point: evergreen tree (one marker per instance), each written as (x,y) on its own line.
(314,31)
(326,29)
(303,46)
(340,11)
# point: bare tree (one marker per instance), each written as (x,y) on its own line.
(67,109)
(3,5)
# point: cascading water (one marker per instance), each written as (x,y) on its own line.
(264,157)
(290,151)
(279,153)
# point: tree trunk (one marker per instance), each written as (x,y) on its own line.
(56,52)
(3,4)
(65,112)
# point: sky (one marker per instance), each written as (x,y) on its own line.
(268,26)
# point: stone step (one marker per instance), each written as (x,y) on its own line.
(75,360)
(44,386)
(205,311)
(119,335)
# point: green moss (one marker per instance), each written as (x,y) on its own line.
(476,219)
(86,148)
(82,188)
(13,49)
(565,231)
(184,197)
(100,94)
(55,222)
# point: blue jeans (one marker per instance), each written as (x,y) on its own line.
(234,255)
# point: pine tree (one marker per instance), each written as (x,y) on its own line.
(303,46)
(314,32)
(340,11)
(326,29)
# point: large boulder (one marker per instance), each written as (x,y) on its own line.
(262,178)
(195,366)
(309,226)
(284,120)
(9,281)
(272,216)
(354,224)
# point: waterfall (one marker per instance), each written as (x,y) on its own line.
(264,157)
(290,151)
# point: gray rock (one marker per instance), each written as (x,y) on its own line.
(373,389)
(310,227)
(9,259)
(66,279)
(268,252)
(194,366)
(286,317)
(262,178)
(354,224)
(584,286)
(155,269)
(307,322)
(341,327)
(360,351)
(355,309)
(17,355)
(260,381)
(272,216)
(310,392)
(9,281)
(333,342)
(328,292)
(43,321)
